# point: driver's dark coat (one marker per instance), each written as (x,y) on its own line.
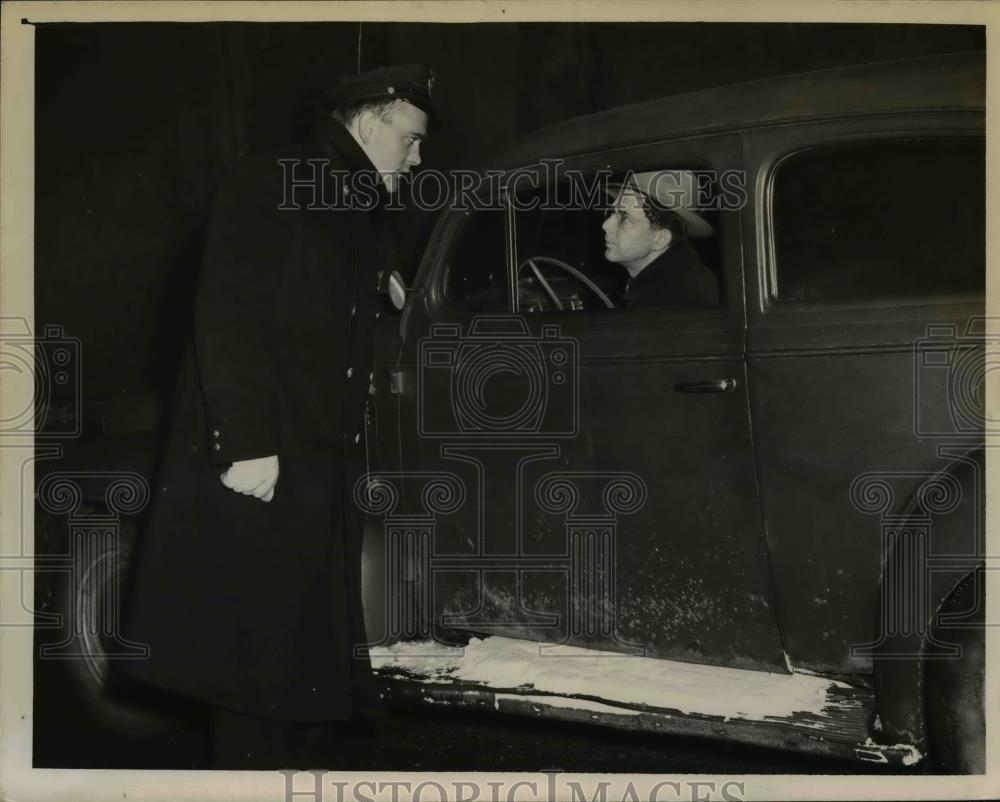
(675,278)
(249,605)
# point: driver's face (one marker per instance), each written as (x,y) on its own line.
(628,235)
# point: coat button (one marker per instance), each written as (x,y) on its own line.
(215,433)
(357,438)
(354,311)
(350,372)
(218,447)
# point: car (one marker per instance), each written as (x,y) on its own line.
(678,519)
(758,521)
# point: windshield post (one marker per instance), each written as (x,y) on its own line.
(511,231)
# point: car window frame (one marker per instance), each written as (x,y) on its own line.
(433,274)
(818,134)
(681,311)
(439,254)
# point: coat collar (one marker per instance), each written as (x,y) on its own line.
(666,269)
(335,142)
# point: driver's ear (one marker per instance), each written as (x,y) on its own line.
(662,237)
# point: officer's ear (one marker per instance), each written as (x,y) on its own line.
(366,125)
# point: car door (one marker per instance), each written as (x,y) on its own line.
(603,457)
(868,244)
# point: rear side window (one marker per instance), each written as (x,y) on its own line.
(892,219)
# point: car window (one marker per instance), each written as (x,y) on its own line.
(562,259)
(880,220)
(477,263)
(559,261)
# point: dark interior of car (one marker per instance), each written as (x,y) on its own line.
(560,254)
(883,219)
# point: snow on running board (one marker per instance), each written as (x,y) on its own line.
(876,753)
(498,662)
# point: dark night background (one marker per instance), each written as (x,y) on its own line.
(136,123)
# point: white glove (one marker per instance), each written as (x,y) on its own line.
(253,477)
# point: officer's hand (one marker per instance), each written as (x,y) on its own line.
(253,477)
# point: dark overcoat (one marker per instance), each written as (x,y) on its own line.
(675,278)
(249,605)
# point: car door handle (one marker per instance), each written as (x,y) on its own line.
(710,386)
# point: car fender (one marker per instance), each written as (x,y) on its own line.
(936,553)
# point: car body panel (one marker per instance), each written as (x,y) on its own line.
(955,81)
(690,569)
(752,548)
(833,395)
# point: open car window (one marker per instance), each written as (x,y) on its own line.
(561,256)
(562,262)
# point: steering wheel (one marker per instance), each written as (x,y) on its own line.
(534,261)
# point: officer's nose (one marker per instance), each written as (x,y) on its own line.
(414,156)
(608,224)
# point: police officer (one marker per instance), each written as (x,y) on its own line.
(247,581)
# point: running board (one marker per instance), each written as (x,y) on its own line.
(798,711)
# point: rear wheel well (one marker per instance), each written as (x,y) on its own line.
(954,687)
(931,556)
(86,597)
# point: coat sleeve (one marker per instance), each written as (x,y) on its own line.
(245,258)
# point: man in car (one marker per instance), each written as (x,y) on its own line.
(247,582)
(647,233)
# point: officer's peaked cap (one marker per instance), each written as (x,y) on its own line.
(410,82)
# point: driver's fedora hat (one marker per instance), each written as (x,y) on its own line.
(675,190)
